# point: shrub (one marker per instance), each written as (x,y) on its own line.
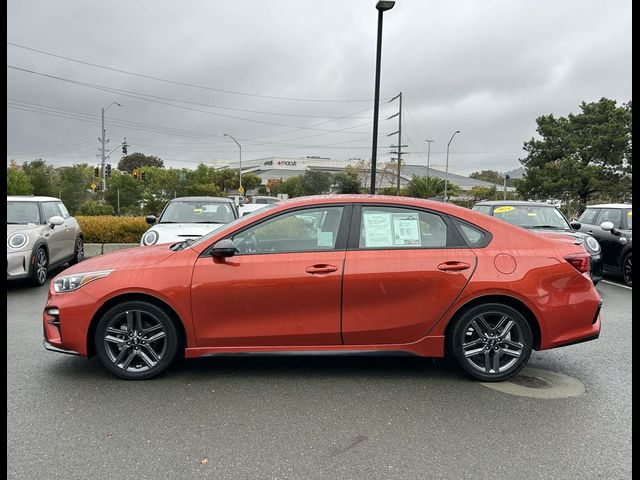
(110,229)
(93,207)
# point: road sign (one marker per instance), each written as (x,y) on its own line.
(241,190)
(93,186)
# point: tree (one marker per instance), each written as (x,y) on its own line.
(490,176)
(74,183)
(292,186)
(347,181)
(427,187)
(581,156)
(250,181)
(43,177)
(316,182)
(94,207)
(18,182)
(125,191)
(136,160)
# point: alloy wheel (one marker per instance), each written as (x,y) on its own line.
(627,274)
(41,266)
(79,250)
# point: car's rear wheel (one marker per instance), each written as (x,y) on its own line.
(78,251)
(491,342)
(627,273)
(40,268)
(136,340)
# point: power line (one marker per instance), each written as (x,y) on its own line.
(184,84)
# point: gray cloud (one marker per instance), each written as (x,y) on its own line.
(485,68)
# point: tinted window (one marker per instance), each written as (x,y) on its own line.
(613,215)
(198,212)
(588,216)
(474,236)
(22,213)
(486,209)
(299,231)
(394,227)
(50,209)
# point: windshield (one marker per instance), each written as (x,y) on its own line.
(206,237)
(21,213)
(528,216)
(198,212)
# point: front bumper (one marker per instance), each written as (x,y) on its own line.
(53,348)
(18,265)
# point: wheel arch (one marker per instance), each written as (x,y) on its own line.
(38,243)
(135,296)
(506,300)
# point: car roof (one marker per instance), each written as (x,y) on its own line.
(610,205)
(203,199)
(31,198)
(515,202)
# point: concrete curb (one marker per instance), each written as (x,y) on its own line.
(95,249)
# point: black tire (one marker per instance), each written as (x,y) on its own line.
(78,251)
(39,268)
(490,333)
(627,273)
(136,340)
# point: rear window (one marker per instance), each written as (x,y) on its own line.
(475,236)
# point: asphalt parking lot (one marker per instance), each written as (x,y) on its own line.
(318,417)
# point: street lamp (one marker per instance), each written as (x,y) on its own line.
(104,157)
(381,6)
(446,178)
(241,190)
(428,154)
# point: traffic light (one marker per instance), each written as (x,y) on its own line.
(143,175)
(124,149)
(96,172)
(135,174)
(107,170)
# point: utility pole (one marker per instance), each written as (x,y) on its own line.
(428,155)
(103,141)
(506,177)
(399,145)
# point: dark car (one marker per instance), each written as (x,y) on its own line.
(611,225)
(546,220)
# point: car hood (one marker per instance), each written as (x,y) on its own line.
(566,236)
(177,232)
(135,257)
(21,228)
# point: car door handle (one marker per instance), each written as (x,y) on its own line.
(590,232)
(321,268)
(453,266)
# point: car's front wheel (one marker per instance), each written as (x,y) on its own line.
(136,340)
(78,251)
(491,342)
(627,273)
(40,268)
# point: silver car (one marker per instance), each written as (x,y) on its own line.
(41,235)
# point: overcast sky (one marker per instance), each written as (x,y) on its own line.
(296,78)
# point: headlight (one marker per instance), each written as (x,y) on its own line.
(69,283)
(593,244)
(17,240)
(150,237)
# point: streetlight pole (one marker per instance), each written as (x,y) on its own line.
(428,154)
(240,147)
(446,178)
(381,6)
(506,177)
(103,141)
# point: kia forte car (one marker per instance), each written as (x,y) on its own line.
(331,274)
(548,220)
(611,224)
(188,217)
(41,235)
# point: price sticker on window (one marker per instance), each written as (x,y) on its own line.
(503,209)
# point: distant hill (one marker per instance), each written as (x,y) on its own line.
(516,172)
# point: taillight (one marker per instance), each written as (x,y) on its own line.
(581,262)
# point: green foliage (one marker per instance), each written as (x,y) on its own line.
(123,186)
(74,182)
(43,177)
(250,181)
(133,161)
(18,182)
(427,187)
(316,182)
(490,176)
(105,229)
(292,186)
(93,207)
(347,181)
(204,189)
(581,156)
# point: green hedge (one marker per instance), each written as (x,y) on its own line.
(112,229)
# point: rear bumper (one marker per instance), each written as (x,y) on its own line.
(586,332)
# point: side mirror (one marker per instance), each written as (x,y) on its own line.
(224,248)
(575,225)
(608,227)
(56,220)
(150,219)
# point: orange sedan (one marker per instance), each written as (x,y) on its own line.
(326,274)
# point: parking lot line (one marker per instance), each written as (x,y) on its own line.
(616,284)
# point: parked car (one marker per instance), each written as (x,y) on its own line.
(373,274)
(611,224)
(265,199)
(41,235)
(189,217)
(248,208)
(548,220)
